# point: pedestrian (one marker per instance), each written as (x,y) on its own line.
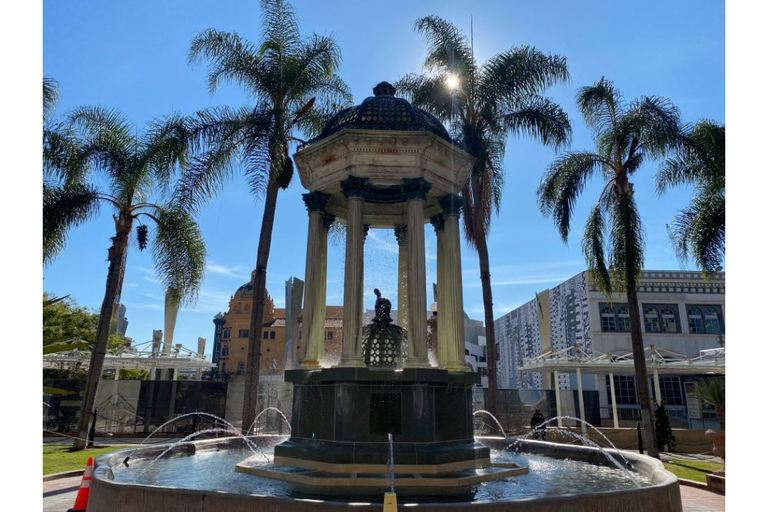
(538,425)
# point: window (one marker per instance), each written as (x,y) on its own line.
(226,334)
(608,319)
(614,320)
(271,335)
(243,333)
(623,319)
(225,350)
(652,323)
(330,335)
(695,320)
(671,391)
(661,318)
(625,390)
(705,319)
(240,368)
(711,321)
(265,335)
(669,320)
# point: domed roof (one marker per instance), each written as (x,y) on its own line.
(383,111)
(244,291)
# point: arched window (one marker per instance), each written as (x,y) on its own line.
(608,319)
(652,323)
(711,321)
(695,320)
(623,319)
(668,320)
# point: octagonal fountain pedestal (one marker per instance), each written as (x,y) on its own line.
(342,418)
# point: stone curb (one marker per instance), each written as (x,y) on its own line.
(692,483)
(65,474)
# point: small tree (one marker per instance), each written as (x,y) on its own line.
(664,438)
(712,390)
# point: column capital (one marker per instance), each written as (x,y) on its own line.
(416,188)
(328,219)
(316,201)
(366,227)
(438,222)
(451,204)
(401,233)
(354,187)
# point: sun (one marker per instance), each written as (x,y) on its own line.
(452,81)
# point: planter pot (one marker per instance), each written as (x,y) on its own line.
(718,441)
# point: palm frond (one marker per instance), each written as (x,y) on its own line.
(447,48)
(520,73)
(627,242)
(563,182)
(541,119)
(601,106)
(594,248)
(63,209)
(50,96)
(699,231)
(655,122)
(232,59)
(429,93)
(179,253)
(167,144)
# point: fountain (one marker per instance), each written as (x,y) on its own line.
(384,417)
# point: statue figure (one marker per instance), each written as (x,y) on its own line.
(382,308)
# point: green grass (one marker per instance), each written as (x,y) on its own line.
(57,459)
(692,469)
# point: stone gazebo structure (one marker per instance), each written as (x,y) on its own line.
(384,164)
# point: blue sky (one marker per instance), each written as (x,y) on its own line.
(132,56)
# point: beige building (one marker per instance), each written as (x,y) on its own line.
(233,349)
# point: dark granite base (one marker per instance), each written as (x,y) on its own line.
(344,416)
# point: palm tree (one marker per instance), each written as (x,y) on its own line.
(133,167)
(285,74)
(483,104)
(699,229)
(613,238)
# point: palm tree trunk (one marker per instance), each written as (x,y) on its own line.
(115,275)
(251,396)
(641,372)
(490,331)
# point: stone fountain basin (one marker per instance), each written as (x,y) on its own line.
(107,495)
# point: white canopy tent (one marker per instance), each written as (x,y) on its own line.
(658,361)
(140,357)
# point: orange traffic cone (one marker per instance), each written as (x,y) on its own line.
(81,501)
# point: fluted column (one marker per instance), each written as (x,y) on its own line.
(415,190)
(438,222)
(401,234)
(354,190)
(328,219)
(453,294)
(313,319)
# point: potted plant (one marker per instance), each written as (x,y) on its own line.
(712,390)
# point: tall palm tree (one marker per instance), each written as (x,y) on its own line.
(699,228)
(613,238)
(294,84)
(483,104)
(133,167)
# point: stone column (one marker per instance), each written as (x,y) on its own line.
(438,222)
(453,296)
(354,190)
(401,234)
(328,219)
(312,340)
(415,190)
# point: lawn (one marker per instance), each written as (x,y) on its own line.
(57,459)
(692,469)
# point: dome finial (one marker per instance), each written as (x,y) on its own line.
(384,89)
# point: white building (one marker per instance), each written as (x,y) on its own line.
(682,313)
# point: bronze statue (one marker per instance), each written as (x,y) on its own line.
(382,308)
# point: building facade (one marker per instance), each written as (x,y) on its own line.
(682,312)
(230,350)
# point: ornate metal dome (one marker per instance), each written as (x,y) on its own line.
(383,111)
